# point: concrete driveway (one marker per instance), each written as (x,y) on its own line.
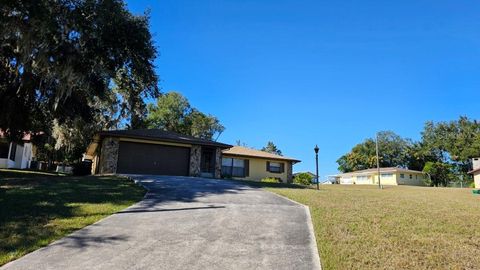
(189,223)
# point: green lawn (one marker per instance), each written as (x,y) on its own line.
(361,227)
(37,208)
(356,227)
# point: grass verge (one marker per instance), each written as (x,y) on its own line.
(403,227)
(37,208)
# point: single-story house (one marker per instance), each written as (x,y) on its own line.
(476,171)
(249,164)
(16,155)
(154,151)
(388,176)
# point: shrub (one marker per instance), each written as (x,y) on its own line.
(270,180)
(303,179)
(82,168)
(472,185)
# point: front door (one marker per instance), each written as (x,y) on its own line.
(207,164)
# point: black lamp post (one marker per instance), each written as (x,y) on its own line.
(316,163)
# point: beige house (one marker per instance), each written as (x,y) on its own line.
(154,151)
(476,171)
(249,164)
(388,176)
(158,152)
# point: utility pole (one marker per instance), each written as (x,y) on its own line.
(378,161)
(316,162)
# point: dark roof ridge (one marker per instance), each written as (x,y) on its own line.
(159,134)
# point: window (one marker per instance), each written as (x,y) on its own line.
(13,151)
(402,175)
(4,147)
(411,177)
(234,167)
(386,175)
(238,168)
(275,167)
(346,180)
(362,179)
(227,166)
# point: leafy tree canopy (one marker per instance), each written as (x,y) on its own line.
(457,140)
(70,61)
(439,173)
(271,148)
(303,179)
(70,68)
(393,152)
(174,113)
(444,151)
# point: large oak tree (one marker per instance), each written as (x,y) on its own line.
(73,63)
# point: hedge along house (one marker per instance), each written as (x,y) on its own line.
(249,164)
(388,176)
(154,151)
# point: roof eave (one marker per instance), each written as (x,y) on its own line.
(270,158)
(216,144)
(474,171)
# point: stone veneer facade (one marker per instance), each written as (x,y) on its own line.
(109,156)
(195,159)
(289,172)
(218,163)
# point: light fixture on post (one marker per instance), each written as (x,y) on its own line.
(316,162)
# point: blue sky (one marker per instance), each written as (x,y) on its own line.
(331,73)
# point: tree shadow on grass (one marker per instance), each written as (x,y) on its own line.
(37,210)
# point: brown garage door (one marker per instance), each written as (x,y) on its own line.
(141,158)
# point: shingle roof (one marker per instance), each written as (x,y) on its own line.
(161,135)
(382,170)
(248,152)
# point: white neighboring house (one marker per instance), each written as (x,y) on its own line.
(388,176)
(16,155)
(476,171)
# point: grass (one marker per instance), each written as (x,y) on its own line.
(356,227)
(361,227)
(37,208)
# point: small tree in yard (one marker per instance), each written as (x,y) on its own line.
(303,179)
(440,174)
